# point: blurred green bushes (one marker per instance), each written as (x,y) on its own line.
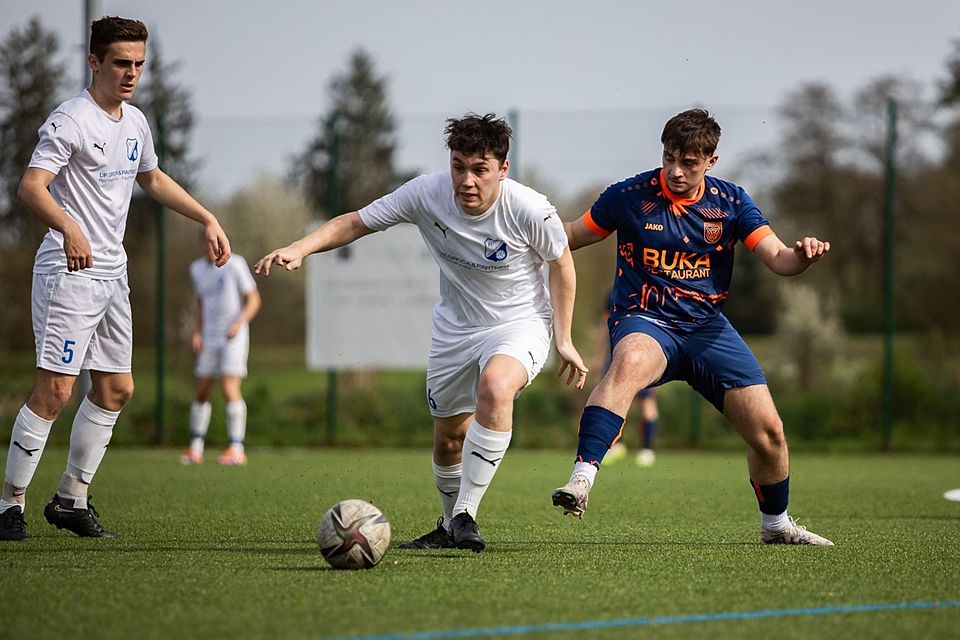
(287,404)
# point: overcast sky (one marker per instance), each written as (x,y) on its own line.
(271,62)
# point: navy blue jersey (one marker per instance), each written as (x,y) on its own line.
(674,255)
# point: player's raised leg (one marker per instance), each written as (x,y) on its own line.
(752,412)
(637,361)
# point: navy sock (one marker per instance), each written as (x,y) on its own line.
(649,428)
(599,428)
(773,498)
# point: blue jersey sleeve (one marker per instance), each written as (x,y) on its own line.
(605,212)
(749,217)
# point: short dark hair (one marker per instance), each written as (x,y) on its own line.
(110,29)
(479,135)
(693,130)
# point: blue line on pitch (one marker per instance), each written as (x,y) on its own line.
(641,622)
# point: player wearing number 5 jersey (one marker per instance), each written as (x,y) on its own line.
(79,182)
(676,232)
(490,237)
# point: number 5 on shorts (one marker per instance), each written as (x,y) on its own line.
(68,351)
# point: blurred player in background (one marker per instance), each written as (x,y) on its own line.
(646,430)
(676,232)
(490,237)
(79,182)
(228,300)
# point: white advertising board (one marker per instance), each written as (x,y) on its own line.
(370,304)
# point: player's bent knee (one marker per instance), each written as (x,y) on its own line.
(493,392)
(771,440)
(114,397)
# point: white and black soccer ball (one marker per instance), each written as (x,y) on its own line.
(353,534)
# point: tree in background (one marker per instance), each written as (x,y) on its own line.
(365,142)
(31,81)
(162,99)
(260,217)
(950,99)
(32,78)
(829,191)
(928,249)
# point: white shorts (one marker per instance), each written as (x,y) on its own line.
(224,357)
(458,355)
(82,323)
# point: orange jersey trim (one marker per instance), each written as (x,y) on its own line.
(592,226)
(679,205)
(757,235)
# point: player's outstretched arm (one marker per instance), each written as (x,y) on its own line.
(790,261)
(164,189)
(338,232)
(35,196)
(563,291)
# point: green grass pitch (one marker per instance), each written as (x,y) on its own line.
(210,552)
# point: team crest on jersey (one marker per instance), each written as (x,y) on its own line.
(495,250)
(133,148)
(712,231)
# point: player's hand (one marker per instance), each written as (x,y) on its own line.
(577,373)
(77,249)
(196,342)
(288,258)
(218,246)
(809,250)
(233,330)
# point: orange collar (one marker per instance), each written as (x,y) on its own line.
(677,204)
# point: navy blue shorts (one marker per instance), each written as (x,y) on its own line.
(710,358)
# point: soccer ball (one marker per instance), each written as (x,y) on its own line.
(353,534)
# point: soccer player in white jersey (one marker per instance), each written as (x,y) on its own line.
(490,236)
(79,182)
(227,301)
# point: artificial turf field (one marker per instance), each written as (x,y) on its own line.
(667,552)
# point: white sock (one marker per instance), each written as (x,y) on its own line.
(27,440)
(483,450)
(199,423)
(89,437)
(448,486)
(586,470)
(774,523)
(237,423)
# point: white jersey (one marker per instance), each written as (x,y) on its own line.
(95,159)
(221,291)
(491,265)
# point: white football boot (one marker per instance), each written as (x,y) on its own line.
(573,496)
(793,534)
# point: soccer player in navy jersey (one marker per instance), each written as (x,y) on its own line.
(676,232)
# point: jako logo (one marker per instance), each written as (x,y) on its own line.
(133,148)
(495,250)
(653,227)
